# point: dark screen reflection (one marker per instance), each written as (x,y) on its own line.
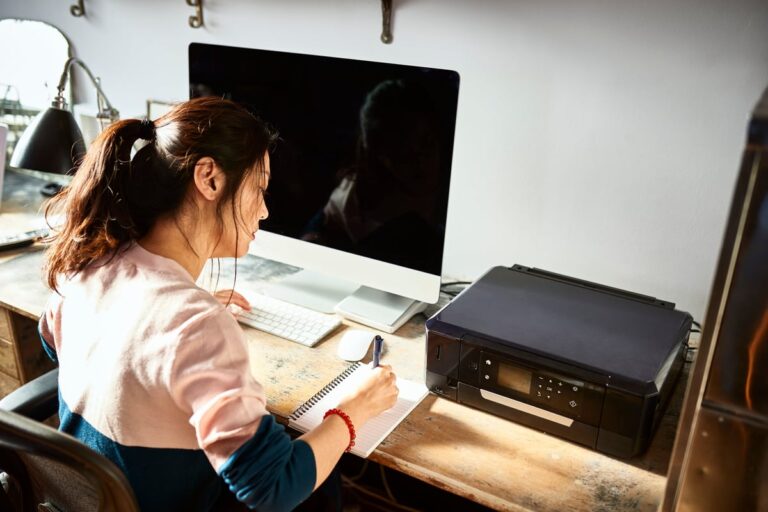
(364,158)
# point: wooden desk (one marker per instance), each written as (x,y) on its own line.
(21,358)
(492,461)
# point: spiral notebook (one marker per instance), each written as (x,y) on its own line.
(310,413)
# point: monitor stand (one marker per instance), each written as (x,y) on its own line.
(376,308)
(379,309)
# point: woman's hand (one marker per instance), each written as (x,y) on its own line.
(376,394)
(236,304)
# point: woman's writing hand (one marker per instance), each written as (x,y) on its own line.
(376,394)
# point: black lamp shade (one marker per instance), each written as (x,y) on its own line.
(51,143)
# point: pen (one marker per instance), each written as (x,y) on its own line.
(378,342)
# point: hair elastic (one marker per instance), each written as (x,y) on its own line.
(147,130)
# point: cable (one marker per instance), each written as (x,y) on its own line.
(453,293)
(690,352)
(455,283)
(386,485)
(361,473)
(363,490)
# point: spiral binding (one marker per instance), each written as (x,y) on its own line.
(298,413)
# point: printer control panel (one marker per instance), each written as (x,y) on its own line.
(540,387)
(559,394)
(554,391)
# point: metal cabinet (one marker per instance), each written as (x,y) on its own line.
(720,458)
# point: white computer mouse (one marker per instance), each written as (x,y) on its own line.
(354,344)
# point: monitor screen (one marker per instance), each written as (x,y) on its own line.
(363,161)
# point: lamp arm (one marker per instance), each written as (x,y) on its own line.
(59,102)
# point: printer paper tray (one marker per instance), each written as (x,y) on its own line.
(578,432)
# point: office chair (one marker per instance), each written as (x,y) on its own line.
(44,470)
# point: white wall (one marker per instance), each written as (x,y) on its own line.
(598,139)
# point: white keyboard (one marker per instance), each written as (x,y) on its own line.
(287,320)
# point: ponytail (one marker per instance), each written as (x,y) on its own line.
(114,199)
(97,222)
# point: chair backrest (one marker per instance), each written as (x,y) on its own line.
(44,466)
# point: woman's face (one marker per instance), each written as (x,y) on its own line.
(249,209)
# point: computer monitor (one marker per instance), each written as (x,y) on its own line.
(360,175)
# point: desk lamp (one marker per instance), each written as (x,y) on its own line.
(53,143)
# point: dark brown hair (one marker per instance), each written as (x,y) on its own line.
(114,199)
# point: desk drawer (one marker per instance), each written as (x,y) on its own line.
(5,325)
(8,359)
(7,384)
(29,352)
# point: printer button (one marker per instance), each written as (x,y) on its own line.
(573,403)
(488,362)
(487,377)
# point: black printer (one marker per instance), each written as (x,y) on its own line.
(586,362)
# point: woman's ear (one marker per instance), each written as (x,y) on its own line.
(209,178)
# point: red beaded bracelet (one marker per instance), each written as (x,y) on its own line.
(348,421)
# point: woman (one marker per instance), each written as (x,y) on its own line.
(153,371)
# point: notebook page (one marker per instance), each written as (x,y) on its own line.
(376,429)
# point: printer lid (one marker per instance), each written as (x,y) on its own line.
(615,333)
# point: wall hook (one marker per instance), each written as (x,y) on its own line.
(386,21)
(196,21)
(77,9)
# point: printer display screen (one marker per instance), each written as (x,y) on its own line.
(515,378)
